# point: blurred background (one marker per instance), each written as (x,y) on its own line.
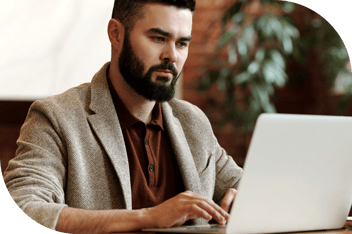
(246,57)
(255,56)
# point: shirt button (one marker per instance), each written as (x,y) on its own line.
(151,168)
(146,142)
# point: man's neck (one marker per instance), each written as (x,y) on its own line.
(135,103)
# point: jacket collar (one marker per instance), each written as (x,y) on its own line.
(181,149)
(106,125)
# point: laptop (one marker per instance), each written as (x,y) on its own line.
(297,177)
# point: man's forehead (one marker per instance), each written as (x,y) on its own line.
(169,18)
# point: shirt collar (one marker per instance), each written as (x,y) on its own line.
(157,116)
(126,118)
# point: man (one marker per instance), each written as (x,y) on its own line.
(120,153)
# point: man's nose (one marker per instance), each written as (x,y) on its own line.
(169,54)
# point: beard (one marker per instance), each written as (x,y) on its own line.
(132,68)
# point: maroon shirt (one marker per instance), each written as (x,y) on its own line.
(155,176)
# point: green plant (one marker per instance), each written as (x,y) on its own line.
(258,39)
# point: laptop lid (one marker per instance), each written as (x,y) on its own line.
(297,175)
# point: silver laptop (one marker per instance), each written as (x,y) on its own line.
(297,177)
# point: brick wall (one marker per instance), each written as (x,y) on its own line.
(206,31)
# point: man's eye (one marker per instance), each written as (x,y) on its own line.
(158,39)
(182,44)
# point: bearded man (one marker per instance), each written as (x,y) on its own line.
(120,153)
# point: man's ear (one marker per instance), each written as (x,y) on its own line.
(116,33)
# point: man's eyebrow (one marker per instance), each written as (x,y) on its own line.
(187,38)
(167,34)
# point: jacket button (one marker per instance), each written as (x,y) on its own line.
(146,142)
(151,168)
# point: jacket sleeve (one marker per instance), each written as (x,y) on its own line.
(228,173)
(36,178)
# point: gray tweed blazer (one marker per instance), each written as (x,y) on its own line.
(71,152)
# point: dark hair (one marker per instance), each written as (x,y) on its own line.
(128,11)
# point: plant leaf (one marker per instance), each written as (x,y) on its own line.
(242,78)
(233,10)
(344,101)
(269,71)
(210,78)
(221,81)
(242,47)
(274,74)
(249,35)
(287,44)
(278,58)
(262,94)
(226,37)
(232,54)
(238,18)
(260,54)
(253,67)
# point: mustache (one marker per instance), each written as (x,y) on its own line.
(165,66)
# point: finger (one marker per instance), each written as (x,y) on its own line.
(196,211)
(219,209)
(199,198)
(214,211)
(228,199)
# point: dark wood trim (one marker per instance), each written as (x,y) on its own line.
(13,112)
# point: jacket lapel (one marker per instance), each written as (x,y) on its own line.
(181,150)
(106,125)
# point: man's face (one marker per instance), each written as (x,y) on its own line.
(155,50)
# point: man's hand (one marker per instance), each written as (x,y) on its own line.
(187,205)
(173,212)
(228,199)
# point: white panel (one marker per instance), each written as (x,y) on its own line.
(49,46)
